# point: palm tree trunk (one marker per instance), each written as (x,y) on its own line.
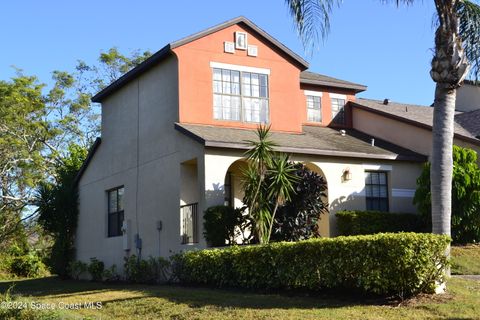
(272,221)
(442,161)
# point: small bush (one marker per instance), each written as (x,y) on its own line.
(220,223)
(29,265)
(96,268)
(400,264)
(111,274)
(152,270)
(351,223)
(76,268)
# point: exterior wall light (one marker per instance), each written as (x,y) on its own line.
(346,174)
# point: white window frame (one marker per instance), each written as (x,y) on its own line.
(337,96)
(243,98)
(313,94)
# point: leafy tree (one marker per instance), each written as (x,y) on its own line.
(22,162)
(465,196)
(298,218)
(456,49)
(58,209)
(38,125)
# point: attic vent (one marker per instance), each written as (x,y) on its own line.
(386,101)
(342,132)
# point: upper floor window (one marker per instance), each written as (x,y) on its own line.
(338,112)
(115,211)
(376,190)
(240,96)
(314,108)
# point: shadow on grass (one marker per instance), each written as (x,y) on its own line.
(196,297)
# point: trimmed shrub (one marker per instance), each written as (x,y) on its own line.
(350,223)
(401,264)
(152,270)
(76,268)
(111,274)
(96,268)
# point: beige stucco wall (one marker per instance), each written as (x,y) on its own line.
(468,98)
(343,195)
(140,147)
(399,133)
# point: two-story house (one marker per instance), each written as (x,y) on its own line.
(173,142)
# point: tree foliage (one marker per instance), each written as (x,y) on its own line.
(465,196)
(58,209)
(37,125)
(298,218)
(224,225)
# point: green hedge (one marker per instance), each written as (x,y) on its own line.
(400,264)
(350,223)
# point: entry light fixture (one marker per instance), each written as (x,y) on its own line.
(347,174)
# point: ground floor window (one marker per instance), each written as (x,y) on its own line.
(376,190)
(189,223)
(115,211)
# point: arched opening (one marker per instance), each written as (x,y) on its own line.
(233,184)
(324,221)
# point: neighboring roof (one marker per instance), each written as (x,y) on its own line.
(89,157)
(307,77)
(167,50)
(470,121)
(314,140)
(418,115)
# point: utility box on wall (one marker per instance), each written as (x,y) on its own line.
(126,230)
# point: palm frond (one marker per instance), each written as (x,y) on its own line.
(469,29)
(312,19)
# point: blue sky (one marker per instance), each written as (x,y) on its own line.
(384,47)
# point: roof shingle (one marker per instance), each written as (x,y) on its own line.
(308,77)
(313,140)
(422,115)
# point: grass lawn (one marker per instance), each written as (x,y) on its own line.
(122,301)
(466,259)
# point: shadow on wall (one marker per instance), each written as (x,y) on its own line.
(215,195)
(355,201)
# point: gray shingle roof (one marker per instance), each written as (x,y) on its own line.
(308,77)
(416,114)
(470,121)
(313,140)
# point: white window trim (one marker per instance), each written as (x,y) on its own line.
(313,93)
(377,167)
(338,96)
(236,67)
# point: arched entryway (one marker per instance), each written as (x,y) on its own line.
(233,184)
(324,222)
